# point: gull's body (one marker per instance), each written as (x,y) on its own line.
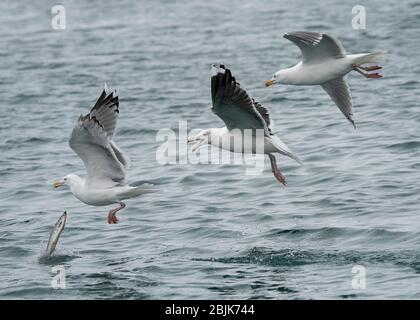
(99,196)
(91,139)
(325,63)
(248,123)
(314,74)
(220,137)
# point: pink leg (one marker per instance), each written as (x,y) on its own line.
(276,172)
(112,218)
(370,68)
(367,74)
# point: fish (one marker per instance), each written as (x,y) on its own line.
(55,234)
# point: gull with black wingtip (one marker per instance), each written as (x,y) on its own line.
(240,112)
(92,140)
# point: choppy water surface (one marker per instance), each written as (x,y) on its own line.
(211,231)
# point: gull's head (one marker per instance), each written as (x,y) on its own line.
(203,137)
(278,77)
(69,180)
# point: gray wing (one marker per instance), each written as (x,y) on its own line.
(91,141)
(316,47)
(339,92)
(265,114)
(232,104)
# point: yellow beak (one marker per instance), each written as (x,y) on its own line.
(269,83)
(57,184)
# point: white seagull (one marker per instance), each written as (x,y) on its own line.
(240,113)
(325,63)
(91,140)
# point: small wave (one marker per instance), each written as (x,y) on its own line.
(335,232)
(408,145)
(142,131)
(60,255)
(296,257)
(55,259)
(14,251)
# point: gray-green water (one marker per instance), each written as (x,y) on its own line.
(211,231)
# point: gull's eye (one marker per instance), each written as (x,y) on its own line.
(65,179)
(275,76)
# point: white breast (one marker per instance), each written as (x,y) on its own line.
(315,74)
(95,197)
(236,141)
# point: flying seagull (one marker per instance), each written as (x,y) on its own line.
(240,113)
(91,139)
(325,63)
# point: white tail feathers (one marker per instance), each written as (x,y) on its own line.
(284,149)
(373,57)
(137,191)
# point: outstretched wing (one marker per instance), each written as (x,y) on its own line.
(232,104)
(265,114)
(339,92)
(315,46)
(91,140)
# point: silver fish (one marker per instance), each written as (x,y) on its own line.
(55,234)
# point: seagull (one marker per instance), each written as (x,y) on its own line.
(240,113)
(91,139)
(325,63)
